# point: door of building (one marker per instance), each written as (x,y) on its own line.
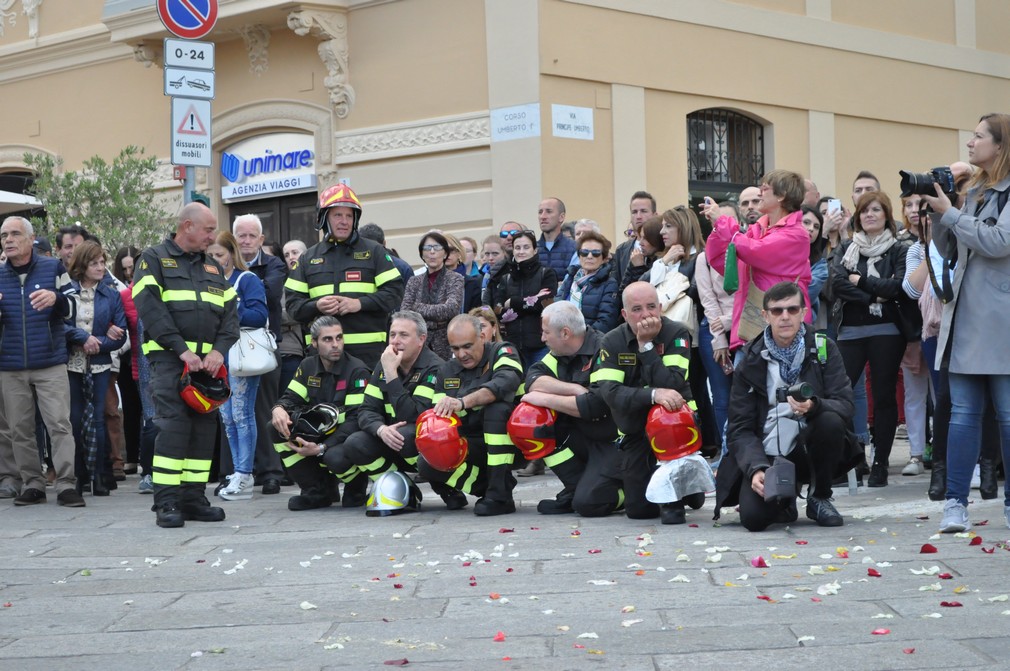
(284,218)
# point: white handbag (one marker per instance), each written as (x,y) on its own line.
(253,354)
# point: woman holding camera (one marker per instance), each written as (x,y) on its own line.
(973,240)
(867,274)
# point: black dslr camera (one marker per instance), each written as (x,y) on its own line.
(799,392)
(921,183)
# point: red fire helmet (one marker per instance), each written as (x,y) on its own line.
(439,442)
(672,435)
(531,429)
(202,392)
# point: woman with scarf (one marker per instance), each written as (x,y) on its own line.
(521,294)
(867,276)
(437,294)
(591,286)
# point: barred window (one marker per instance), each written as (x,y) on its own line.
(725,150)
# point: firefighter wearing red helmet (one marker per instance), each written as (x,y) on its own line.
(479,386)
(190,319)
(641,363)
(336,378)
(346,276)
(585,458)
(400,389)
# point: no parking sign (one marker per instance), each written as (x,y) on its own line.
(189,19)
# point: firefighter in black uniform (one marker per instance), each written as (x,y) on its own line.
(347,276)
(329,376)
(585,432)
(479,386)
(189,315)
(641,363)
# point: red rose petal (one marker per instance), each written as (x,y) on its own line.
(815,599)
(977,540)
(945,576)
(397,585)
(759,562)
(693,526)
(764,597)
(392,575)
(396,662)
(981,524)
(989,551)
(908,651)
(576,533)
(466,563)
(801,542)
(506,659)
(509,570)
(579,646)
(927,549)
(880,632)
(595,551)
(7,604)
(201,561)
(499,637)
(951,604)
(873,573)
(534,528)
(503,530)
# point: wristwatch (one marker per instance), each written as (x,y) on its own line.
(322,449)
(647,347)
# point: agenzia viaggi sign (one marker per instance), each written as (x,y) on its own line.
(275,163)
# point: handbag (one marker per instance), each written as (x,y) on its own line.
(253,354)
(731,277)
(752,324)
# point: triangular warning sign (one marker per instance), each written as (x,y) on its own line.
(191,123)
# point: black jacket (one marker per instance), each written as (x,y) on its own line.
(343,386)
(852,301)
(521,280)
(401,399)
(748,403)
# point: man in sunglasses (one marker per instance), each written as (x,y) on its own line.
(791,400)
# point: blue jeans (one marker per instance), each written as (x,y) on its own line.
(968,398)
(718,382)
(239,417)
(861,418)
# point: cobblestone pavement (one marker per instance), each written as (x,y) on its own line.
(104,588)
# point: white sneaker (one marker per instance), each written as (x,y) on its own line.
(976,478)
(1006,514)
(913,467)
(955,518)
(240,487)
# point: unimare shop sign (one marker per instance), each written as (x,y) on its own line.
(266,165)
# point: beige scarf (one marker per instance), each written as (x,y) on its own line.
(873,249)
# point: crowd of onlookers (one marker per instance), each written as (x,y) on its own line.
(880,279)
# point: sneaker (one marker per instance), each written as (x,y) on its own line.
(146,485)
(913,467)
(976,478)
(823,512)
(70,498)
(9,491)
(222,483)
(955,517)
(240,487)
(30,497)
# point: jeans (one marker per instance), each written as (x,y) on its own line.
(968,398)
(861,418)
(718,382)
(239,419)
(100,382)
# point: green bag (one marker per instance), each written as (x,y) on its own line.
(731,278)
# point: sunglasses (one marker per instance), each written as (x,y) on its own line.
(508,234)
(791,309)
(630,232)
(432,248)
(590,252)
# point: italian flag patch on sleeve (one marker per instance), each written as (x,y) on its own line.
(680,342)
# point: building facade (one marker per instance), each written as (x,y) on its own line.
(463,114)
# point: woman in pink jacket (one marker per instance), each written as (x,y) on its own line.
(774,249)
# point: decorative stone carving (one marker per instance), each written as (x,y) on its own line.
(30,8)
(325,178)
(6,14)
(257,43)
(331,28)
(438,135)
(147,54)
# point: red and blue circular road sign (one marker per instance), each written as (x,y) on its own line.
(189,19)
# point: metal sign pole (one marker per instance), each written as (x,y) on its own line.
(188,186)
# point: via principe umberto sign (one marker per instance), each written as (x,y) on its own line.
(276,163)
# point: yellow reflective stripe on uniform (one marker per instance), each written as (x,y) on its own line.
(348,475)
(560,457)
(551,363)
(373,391)
(437,396)
(676,360)
(197,465)
(410,460)
(620,499)
(167,463)
(505,361)
(299,388)
(497,439)
(364,338)
(611,374)
(152,346)
(281,448)
(356,287)
(213,299)
(169,295)
(468,485)
(321,290)
(170,479)
(308,339)
(389,410)
(341,417)
(140,284)
(354,399)
(424,392)
(521,390)
(692,405)
(456,475)
(297,286)
(500,459)
(390,274)
(377,465)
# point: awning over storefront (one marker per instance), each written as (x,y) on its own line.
(16,202)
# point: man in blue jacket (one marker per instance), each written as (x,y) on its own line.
(554,248)
(34,300)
